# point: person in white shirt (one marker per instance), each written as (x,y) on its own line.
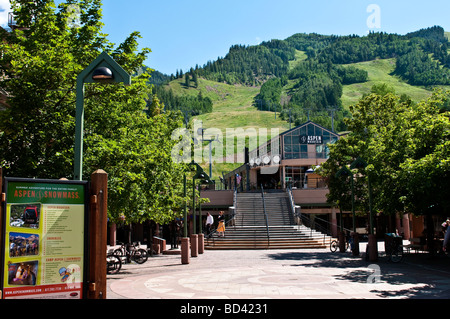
(209,225)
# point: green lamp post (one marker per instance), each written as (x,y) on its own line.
(360,163)
(199,174)
(102,70)
(346,172)
(372,242)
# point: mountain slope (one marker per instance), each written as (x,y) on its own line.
(306,74)
(381,71)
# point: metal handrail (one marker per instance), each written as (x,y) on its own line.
(235,206)
(291,202)
(265,215)
(320,228)
(215,230)
(227,222)
(317,227)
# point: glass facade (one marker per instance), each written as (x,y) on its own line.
(295,176)
(297,141)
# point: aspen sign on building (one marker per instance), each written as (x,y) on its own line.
(306,139)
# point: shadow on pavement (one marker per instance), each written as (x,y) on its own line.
(426,277)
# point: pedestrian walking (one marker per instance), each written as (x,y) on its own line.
(446,243)
(209,225)
(221,227)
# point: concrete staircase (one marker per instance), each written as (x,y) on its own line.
(249,230)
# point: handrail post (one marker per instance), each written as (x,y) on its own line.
(235,207)
(265,215)
(292,204)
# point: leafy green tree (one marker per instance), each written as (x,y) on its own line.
(406,148)
(40,63)
(426,171)
(187,80)
(195,78)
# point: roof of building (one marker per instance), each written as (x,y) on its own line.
(243,167)
(307,123)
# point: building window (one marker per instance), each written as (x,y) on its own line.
(296,142)
(295,176)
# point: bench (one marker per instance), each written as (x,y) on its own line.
(416,244)
(159,244)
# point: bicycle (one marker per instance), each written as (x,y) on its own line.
(113,264)
(395,252)
(132,252)
(334,245)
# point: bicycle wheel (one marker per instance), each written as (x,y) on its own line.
(118,252)
(113,264)
(396,254)
(334,246)
(140,256)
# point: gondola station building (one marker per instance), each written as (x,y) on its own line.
(288,161)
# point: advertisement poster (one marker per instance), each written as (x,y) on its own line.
(44,239)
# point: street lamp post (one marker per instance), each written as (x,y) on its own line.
(193,242)
(345,171)
(199,174)
(202,131)
(185,230)
(197,239)
(372,243)
(185,241)
(102,70)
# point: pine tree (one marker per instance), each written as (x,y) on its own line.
(195,79)
(187,80)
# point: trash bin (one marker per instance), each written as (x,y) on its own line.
(389,240)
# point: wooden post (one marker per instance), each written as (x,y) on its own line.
(201,243)
(342,241)
(373,248)
(185,243)
(2,198)
(112,234)
(355,244)
(194,245)
(98,235)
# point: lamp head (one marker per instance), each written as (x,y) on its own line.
(102,74)
(359,163)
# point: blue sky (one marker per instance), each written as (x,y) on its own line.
(182,34)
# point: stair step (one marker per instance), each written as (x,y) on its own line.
(250,230)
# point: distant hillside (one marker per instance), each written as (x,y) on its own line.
(313,75)
(158,78)
(283,82)
(381,71)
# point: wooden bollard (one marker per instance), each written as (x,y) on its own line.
(185,255)
(98,219)
(194,245)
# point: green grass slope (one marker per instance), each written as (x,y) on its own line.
(380,71)
(232,108)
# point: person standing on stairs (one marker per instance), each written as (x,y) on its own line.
(209,225)
(221,227)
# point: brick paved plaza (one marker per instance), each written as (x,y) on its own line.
(283,274)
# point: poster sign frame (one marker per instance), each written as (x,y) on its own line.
(45,239)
